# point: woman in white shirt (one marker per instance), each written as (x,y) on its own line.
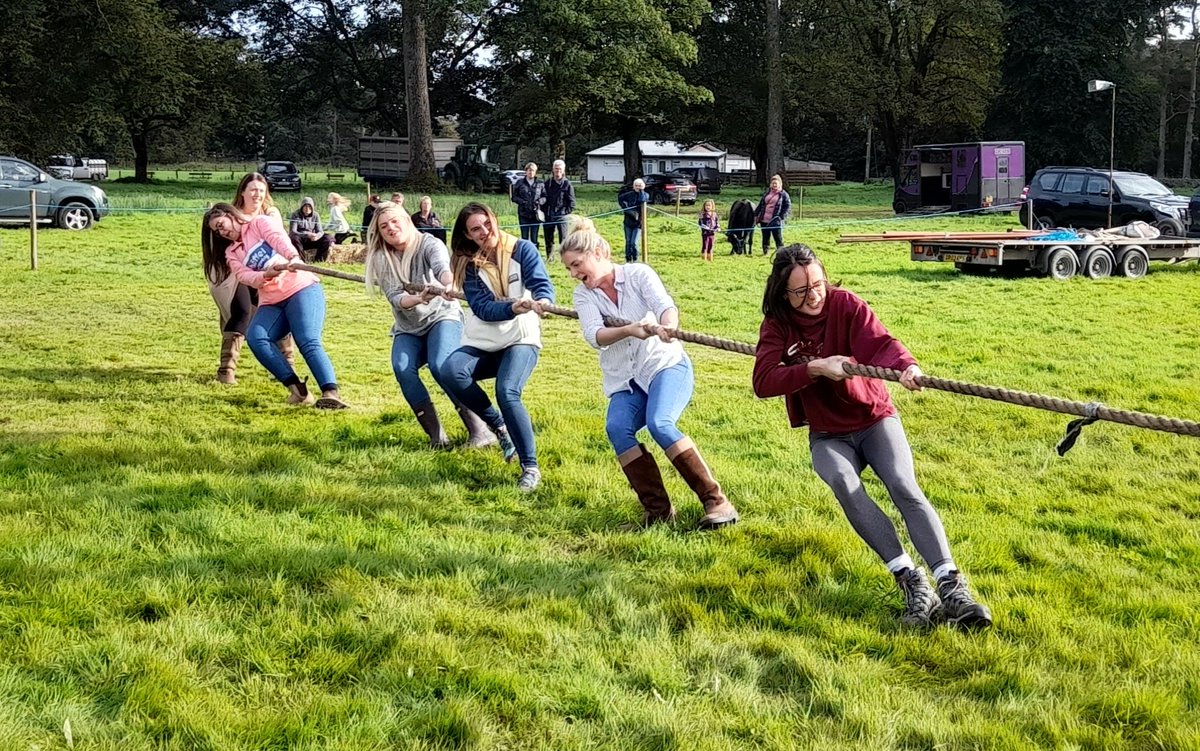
(648,377)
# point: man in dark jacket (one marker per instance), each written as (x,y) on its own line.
(529,194)
(631,200)
(306,233)
(560,202)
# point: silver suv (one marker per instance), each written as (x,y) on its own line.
(63,203)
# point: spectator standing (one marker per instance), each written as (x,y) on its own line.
(369,213)
(560,203)
(306,233)
(710,225)
(530,197)
(631,201)
(771,212)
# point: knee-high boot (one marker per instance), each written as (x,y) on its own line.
(718,511)
(479,435)
(231,349)
(646,480)
(427,416)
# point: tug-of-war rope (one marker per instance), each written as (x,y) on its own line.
(1088,412)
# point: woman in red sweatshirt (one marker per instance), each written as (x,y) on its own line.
(810,328)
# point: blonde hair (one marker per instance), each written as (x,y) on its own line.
(582,237)
(379,253)
(709,204)
(335,199)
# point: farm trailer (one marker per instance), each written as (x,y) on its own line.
(1094,258)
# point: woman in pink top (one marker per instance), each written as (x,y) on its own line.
(259,255)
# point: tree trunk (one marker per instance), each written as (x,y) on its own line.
(1160,170)
(632,152)
(421,161)
(141,152)
(774,163)
(1189,126)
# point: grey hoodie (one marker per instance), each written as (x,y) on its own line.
(301,224)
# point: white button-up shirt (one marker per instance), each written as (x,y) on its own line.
(640,296)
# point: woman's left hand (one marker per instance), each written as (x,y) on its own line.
(656,329)
(273,272)
(908,379)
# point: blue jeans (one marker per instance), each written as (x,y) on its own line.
(511,367)
(552,225)
(303,316)
(657,410)
(530,228)
(410,352)
(632,236)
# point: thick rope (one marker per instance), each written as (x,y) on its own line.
(995,393)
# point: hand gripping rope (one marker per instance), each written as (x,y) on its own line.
(1088,412)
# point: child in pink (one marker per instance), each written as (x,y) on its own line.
(710,225)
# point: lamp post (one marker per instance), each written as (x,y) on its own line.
(1093,87)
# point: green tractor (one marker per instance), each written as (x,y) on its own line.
(470,171)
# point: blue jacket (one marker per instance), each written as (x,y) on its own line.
(782,208)
(533,275)
(632,201)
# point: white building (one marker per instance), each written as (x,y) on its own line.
(607,163)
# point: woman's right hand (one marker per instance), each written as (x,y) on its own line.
(829,367)
(273,272)
(522,305)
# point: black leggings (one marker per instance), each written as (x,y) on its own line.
(769,231)
(241,308)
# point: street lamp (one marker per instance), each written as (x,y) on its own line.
(1093,87)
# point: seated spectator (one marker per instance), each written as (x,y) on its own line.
(337,219)
(306,233)
(398,199)
(426,220)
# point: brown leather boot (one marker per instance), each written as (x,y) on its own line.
(231,349)
(428,418)
(479,435)
(287,348)
(647,482)
(718,511)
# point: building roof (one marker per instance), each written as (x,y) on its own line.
(651,149)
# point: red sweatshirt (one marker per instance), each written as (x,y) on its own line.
(846,326)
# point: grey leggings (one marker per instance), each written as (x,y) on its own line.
(839,459)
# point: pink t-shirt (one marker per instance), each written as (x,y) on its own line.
(260,236)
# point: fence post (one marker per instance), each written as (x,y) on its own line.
(645,247)
(801,217)
(33,230)
(678,197)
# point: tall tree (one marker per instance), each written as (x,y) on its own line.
(421,164)
(597,64)
(774,71)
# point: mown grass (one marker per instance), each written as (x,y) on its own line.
(184,565)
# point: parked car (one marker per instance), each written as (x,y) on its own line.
(64,203)
(707,179)
(281,175)
(1079,197)
(512,175)
(663,188)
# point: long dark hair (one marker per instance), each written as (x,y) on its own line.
(463,250)
(775,304)
(213,246)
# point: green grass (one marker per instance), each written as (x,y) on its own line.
(190,566)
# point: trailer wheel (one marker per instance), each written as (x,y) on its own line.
(1170,228)
(1045,222)
(1133,263)
(1098,262)
(1061,263)
(900,207)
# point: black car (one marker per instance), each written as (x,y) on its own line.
(1080,196)
(707,179)
(281,175)
(663,187)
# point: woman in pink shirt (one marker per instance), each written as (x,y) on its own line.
(259,254)
(810,329)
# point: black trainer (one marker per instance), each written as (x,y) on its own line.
(921,603)
(958,606)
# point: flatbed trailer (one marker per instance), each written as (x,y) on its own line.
(1095,258)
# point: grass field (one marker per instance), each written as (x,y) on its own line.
(190,566)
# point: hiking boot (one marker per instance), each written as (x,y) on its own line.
(530,478)
(959,608)
(298,394)
(507,447)
(921,603)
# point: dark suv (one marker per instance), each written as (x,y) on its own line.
(282,175)
(1079,197)
(707,179)
(664,187)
